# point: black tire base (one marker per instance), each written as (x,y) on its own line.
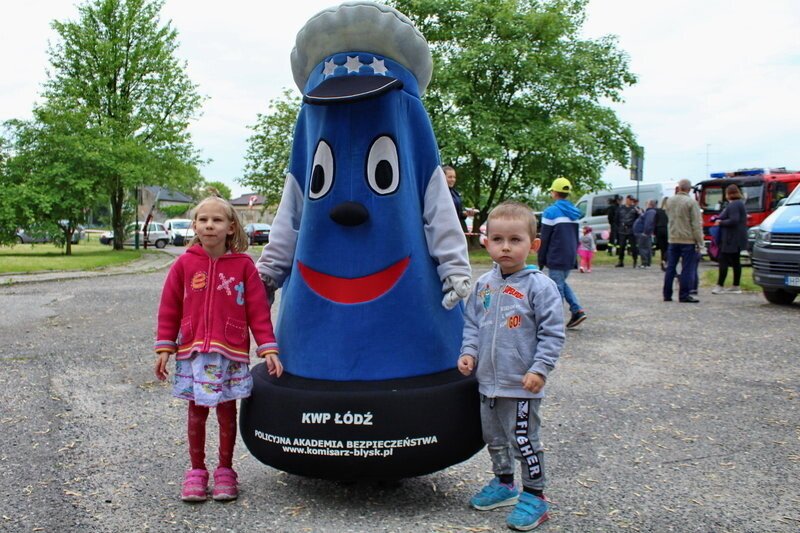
(364,430)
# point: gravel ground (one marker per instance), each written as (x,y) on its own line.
(660,417)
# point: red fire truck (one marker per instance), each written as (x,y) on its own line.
(762,189)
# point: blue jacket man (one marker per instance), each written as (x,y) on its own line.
(559,249)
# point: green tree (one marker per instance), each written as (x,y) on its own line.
(116,67)
(517,96)
(56,164)
(221,188)
(14,208)
(270,146)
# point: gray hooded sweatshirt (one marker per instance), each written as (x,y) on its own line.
(513,326)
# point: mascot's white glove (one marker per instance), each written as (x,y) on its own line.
(271,287)
(455,289)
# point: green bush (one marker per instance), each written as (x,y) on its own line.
(175,211)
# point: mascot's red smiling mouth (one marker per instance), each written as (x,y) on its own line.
(353,290)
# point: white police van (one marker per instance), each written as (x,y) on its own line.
(594,206)
(776,252)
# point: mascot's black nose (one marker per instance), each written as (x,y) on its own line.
(349,214)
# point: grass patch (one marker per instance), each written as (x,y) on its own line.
(47,257)
(480,257)
(709,279)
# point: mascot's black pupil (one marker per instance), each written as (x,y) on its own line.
(317,179)
(383,174)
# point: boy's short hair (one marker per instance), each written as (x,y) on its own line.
(511,210)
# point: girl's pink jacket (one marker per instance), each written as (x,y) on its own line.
(208,305)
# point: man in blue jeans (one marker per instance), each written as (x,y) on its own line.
(685,230)
(559,249)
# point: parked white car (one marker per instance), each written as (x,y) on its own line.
(180,230)
(156,235)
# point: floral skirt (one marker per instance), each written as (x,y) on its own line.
(210,379)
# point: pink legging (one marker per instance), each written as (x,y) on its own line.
(226,416)
(586,258)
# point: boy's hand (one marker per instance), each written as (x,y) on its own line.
(161,365)
(532,382)
(274,365)
(466,364)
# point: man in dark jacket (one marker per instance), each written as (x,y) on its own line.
(559,249)
(626,216)
(613,206)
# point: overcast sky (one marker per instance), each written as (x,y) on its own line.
(718,80)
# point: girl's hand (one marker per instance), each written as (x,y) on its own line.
(161,365)
(466,363)
(532,382)
(274,365)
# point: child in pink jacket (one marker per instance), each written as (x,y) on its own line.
(586,249)
(211,301)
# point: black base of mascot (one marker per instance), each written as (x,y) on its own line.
(369,430)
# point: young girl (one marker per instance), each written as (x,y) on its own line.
(211,300)
(586,249)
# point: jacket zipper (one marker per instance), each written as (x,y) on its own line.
(494,335)
(209,304)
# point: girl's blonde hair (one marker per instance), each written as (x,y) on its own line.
(236,242)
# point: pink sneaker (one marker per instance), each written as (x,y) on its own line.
(195,485)
(225,486)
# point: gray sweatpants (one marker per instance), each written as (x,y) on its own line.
(511,431)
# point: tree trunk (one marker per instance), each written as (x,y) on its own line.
(117,222)
(68,233)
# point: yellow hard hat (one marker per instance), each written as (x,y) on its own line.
(561,185)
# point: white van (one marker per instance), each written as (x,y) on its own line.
(594,206)
(180,231)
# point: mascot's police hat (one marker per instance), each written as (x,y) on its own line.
(359,50)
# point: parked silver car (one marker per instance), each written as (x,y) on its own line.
(35,237)
(156,235)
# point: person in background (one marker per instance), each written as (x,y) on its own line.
(733,239)
(661,233)
(586,249)
(613,208)
(685,242)
(450,176)
(626,216)
(559,248)
(645,238)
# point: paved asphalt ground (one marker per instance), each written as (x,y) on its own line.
(660,417)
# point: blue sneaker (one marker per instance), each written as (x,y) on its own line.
(529,513)
(494,495)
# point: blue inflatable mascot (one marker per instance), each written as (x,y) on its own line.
(372,264)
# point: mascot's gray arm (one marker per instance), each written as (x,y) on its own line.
(277,257)
(447,243)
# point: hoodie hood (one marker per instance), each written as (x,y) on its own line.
(527,271)
(566,209)
(199,251)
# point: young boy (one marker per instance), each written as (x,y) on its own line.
(559,248)
(513,335)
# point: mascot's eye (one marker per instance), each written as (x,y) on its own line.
(383,169)
(321,172)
